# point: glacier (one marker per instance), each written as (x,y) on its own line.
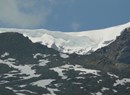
(81,43)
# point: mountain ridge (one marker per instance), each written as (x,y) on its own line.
(81,43)
(34,69)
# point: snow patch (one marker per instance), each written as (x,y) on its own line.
(112,75)
(52,90)
(5,55)
(3,82)
(122,81)
(115,91)
(24,69)
(80,77)
(62,55)
(39,54)
(76,83)
(104,89)
(98,93)
(99,81)
(19,92)
(43,62)
(43,83)
(22,86)
(60,70)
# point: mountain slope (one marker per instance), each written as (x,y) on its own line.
(73,42)
(28,68)
(118,51)
(114,57)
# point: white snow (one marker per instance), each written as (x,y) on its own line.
(24,69)
(39,54)
(11,59)
(76,83)
(81,87)
(80,77)
(128,88)
(60,70)
(3,82)
(52,90)
(22,85)
(115,91)
(36,55)
(99,81)
(19,92)
(121,82)
(43,62)
(8,75)
(5,54)
(9,88)
(98,93)
(112,75)
(43,83)
(104,89)
(72,42)
(86,71)
(13,71)
(62,55)
(58,84)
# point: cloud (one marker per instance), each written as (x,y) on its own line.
(24,13)
(75,26)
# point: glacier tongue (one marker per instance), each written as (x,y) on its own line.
(72,42)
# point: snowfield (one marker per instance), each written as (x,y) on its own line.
(72,42)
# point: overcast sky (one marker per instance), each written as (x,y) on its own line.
(63,15)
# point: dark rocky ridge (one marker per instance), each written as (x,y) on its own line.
(21,47)
(119,50)
(115,57)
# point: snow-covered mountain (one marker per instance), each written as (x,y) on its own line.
(28,68)
(81,43)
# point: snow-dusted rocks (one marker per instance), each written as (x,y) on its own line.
(121,82)
(43,83)
(5,54)
(24,69)
(112,75)
(60,70)
(83,42)
(62,55)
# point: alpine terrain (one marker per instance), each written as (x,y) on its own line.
(42,62)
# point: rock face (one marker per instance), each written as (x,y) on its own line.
(21,47)
(116,52)
(15,43)
(120,49)
(28,68)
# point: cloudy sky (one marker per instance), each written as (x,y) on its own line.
(63,15)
